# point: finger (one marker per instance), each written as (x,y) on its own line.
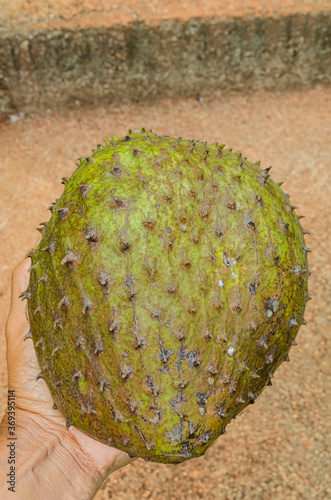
(122,460)
(17,322)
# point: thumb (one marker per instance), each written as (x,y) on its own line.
(17,323)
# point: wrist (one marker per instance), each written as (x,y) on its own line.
(49,462)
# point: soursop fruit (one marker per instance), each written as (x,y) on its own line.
(168,286)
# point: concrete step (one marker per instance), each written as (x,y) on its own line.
(56,54)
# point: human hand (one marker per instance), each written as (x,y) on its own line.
(35,414)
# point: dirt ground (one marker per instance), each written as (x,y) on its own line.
(36,14)
(280,447)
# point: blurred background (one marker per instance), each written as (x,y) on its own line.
(253,75)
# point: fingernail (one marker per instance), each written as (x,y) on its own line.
(27,312)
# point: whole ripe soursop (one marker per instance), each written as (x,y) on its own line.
(169,284)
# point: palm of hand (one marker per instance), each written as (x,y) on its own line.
(33,396)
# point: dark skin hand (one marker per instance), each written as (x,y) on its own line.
(53,461)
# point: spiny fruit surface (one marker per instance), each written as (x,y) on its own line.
(169,284)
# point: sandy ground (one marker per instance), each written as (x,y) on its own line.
(34,14)
(280,447)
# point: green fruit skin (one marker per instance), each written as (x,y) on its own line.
(169,285)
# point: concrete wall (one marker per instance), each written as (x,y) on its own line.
(169,58)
